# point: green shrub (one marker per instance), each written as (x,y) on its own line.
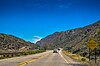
(24,53)
(83,59)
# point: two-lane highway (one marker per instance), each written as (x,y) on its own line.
(42,59)
(16,61)
(54,59)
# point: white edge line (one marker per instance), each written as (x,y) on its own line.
(63,57)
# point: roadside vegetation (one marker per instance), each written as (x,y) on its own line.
(82,53)
(85,61)
(22,54)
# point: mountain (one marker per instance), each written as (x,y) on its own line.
(73,40)
(12,43)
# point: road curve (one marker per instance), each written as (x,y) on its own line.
(42,59)
(54,59)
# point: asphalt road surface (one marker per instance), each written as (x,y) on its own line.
(42,59)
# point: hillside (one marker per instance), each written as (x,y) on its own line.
(12,43)
(74,40)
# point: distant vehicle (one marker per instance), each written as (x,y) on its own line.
(58,48)
(55,51)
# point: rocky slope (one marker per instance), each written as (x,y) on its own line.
(12,43)
(74,40)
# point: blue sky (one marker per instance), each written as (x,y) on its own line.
(35,19)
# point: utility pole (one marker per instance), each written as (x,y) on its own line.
(89,54)
(95,55)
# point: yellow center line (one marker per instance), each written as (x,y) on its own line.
(31,60)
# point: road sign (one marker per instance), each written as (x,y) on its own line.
(92,44)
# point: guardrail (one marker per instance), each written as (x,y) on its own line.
(10,54)
(13,54)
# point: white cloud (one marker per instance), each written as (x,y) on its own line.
(35,39)
(68,5)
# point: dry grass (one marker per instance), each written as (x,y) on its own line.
(77,57)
